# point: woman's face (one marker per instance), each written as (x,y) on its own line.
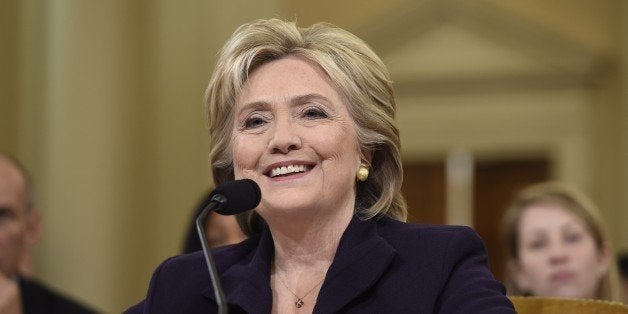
(557,254)
(294,136)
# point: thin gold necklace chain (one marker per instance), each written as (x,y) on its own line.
(299,302)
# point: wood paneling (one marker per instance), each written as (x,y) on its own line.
(495,184)
(424,191)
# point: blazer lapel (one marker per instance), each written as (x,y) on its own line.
(362,258)
(247,284)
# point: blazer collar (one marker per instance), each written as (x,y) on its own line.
(361,259)
(247,282)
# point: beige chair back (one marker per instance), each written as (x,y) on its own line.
(548,305)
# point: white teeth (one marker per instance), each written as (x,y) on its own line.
(286,170)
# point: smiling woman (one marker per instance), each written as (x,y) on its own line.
(300,122)
(308,114)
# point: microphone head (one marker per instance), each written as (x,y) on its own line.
(236,196)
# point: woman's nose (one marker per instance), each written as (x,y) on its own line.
(285,138)
(558,253)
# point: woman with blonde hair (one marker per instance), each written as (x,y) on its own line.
(308,114)
(558,246)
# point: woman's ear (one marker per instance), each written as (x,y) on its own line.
(605,258)
(366,156)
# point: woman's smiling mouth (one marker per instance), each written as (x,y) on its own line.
(287,170)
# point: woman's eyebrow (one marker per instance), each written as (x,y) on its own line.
(312,96)
(253,106)
(296,100)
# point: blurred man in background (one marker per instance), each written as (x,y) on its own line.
(20,227)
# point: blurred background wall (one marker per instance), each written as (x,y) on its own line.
(102,100)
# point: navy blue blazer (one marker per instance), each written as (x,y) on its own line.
(381,266)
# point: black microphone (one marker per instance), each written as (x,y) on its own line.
(229,198)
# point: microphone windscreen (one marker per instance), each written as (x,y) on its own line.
(241,195)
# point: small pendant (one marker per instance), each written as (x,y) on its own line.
(299,303)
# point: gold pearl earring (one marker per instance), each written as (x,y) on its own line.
(363,173)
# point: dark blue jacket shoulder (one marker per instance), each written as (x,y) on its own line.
(380,266)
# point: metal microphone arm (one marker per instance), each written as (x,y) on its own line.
(217,201)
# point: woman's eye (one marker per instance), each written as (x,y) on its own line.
(314,113)
(573,237)
(536,245)
(253,122)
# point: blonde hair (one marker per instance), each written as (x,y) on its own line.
(577,204)
(358,73)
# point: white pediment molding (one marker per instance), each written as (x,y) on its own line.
(440,45)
